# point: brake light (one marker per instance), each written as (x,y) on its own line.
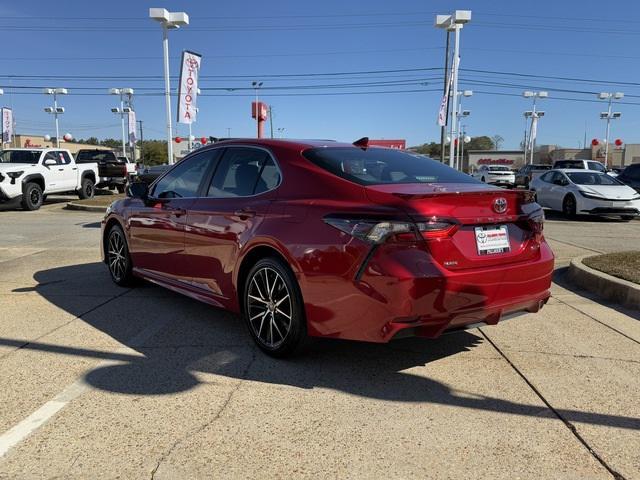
(436,228)
(372,231)
(536,223)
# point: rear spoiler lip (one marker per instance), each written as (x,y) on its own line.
(518,193)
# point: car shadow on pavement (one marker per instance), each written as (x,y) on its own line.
(553,215)
(197,339)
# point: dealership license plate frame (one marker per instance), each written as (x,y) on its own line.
(492,240)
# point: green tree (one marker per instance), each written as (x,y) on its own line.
(497,141)
(111,143)
(480,143)
(153,152)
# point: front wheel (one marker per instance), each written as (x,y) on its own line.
(32,197)
(118,258)
(87,189)
(273,308)
(569,206)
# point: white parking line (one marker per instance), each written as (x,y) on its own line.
(42,415)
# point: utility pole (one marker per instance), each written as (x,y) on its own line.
(271,120)
(608,116)
(141,140)
(444,92)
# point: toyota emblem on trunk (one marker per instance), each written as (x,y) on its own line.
(500,205)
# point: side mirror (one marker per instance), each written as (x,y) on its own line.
(138,190)
(50,162)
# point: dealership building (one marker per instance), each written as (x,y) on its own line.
(513,159)
(38,141)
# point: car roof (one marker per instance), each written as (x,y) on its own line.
(576,170)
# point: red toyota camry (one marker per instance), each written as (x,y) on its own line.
(325,239)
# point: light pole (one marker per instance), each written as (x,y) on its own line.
(228,132)
(464,139)
(454,23)
(256,86)
(460,138)
(459,114)
(608,116)
(168,21)
(535,115)
(122,111)
(55,110)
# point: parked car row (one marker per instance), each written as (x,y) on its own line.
(27,176)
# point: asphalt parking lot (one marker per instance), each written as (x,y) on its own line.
(98,381)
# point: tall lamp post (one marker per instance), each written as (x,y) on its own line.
(534,115)
(55,110)
(122,111)
(608,116)
(459,114)
(168,21)
(460,140)
(454,23)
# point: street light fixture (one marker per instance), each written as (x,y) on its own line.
(534,115)
(454,23)
(608,116)
(168,21)
(122,111)
(55,110)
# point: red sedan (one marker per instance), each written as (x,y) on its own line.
(325,239)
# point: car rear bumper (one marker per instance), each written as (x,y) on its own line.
(422,298)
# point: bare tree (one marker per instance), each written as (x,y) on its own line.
(497,141)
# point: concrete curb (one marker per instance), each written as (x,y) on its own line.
(86,208)
(604,285)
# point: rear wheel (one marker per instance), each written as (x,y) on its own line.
(87,189)
(120,188)
(32,197)
(484,180)
(569,206)
(273,308)
(118,258)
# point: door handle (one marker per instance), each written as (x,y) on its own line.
(61,169)
(74,168)
(244,213)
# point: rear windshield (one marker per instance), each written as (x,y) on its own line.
(383,166)
(19,156)
(592,178)
(569,164)
(541,167)
(494,168)
(96,156)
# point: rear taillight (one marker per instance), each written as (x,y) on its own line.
(373,231)
(436,228)
(536,223)
(376,232)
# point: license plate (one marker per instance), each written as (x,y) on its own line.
(492,240)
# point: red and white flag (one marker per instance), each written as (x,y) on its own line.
(188,89)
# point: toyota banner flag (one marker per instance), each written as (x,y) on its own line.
(188,89)
(7,125)
(132,128)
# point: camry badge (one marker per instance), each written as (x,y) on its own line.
(500,205)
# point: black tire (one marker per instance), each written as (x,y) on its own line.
(116,252)
(273,308)
(484,180)
(87,189)
(569,206)
(32,197)
(526,183)
(120,188)
(627,218)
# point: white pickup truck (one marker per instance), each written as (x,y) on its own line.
(28,175)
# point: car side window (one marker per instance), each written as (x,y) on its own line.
(633,172)
(240,173)
(184,180)
(51,156)
(547,177)
(64,157)
(596,166)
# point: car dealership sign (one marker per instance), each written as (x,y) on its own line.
(188,89)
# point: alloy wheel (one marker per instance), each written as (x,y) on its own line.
(269,307)
(117,255)
(35,196)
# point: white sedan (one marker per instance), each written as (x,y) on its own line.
(495,175)
(583,191)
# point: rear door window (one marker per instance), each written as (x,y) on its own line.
(597,166)
(240,173)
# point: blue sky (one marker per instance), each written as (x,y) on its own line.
(116,39)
